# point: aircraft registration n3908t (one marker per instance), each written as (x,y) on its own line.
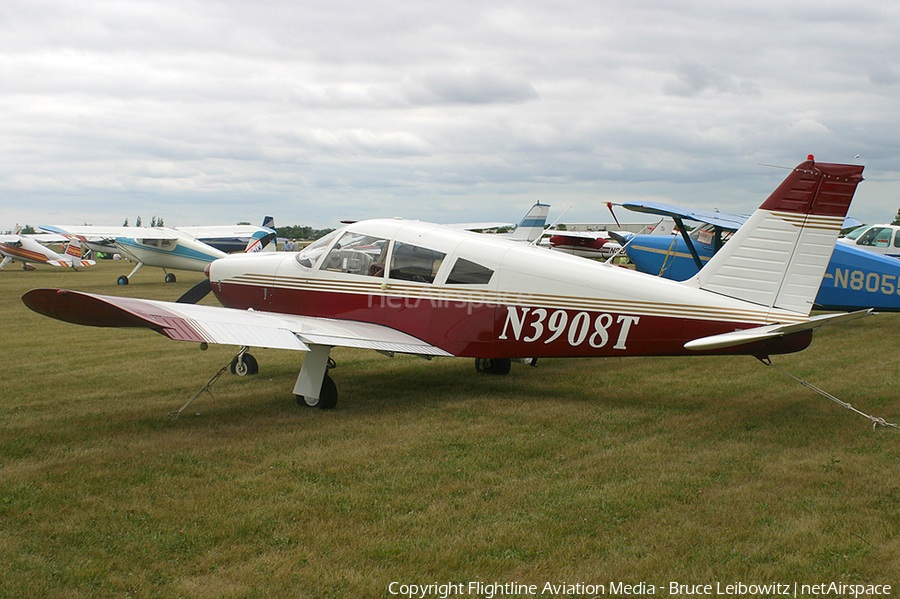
(410,287)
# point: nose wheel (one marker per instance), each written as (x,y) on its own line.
(244,364)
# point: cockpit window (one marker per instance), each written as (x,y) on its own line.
(357,254)
(157,243)
(311,253)
(876,236)
(414,263)
(466,272)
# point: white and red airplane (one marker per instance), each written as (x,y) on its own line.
(411,287)
(600,244)
(27,250)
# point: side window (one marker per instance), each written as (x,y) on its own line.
(357,254)
(897,238)
(414,263)
(884,237)
(876,236)
(466,272)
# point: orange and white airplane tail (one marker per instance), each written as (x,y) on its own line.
(778,257)
(74,251)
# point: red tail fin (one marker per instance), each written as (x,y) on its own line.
(820,189)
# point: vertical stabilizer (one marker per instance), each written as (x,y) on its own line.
(778,257)
(532,226)
(73,248)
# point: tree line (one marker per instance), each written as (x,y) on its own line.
(301,232)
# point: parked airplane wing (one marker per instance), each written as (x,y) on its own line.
(111,232)
(730,222)
(719,219)
(215,231)
(767,332)
(213,324)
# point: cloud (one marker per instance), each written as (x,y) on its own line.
(693,79)
(312,111)
(470,87)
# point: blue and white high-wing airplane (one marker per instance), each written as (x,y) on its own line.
(854,278)
(164,247)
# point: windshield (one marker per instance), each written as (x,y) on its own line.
(856,232)
(357,254)
(311,253)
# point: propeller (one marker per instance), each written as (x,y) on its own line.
(195,293)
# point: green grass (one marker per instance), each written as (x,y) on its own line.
(693,470)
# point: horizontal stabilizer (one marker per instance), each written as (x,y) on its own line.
(767,332)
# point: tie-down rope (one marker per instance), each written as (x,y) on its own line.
(876,421)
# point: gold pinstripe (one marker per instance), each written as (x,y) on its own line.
(449,294)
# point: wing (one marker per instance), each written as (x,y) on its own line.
(47,238)
(718,219)
(222,231)
(111,232)
(479,226)
(731,222)
(212,324)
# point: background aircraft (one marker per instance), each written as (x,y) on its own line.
(27,250)
(235,238)
(854,278)
(530,228)
(881,239)
(164,247)
(599,244)
(436,291)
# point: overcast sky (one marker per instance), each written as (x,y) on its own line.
(214,112)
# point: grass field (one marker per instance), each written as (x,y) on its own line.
(697,471)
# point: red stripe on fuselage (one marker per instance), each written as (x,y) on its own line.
(24,254)
(486,330)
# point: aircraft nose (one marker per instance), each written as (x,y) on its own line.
(241,266)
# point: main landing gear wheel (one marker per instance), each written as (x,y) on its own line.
(170,277)
(493,365)
(122,280)
(244,365)
(327,396)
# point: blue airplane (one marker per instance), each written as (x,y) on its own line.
(854,278)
